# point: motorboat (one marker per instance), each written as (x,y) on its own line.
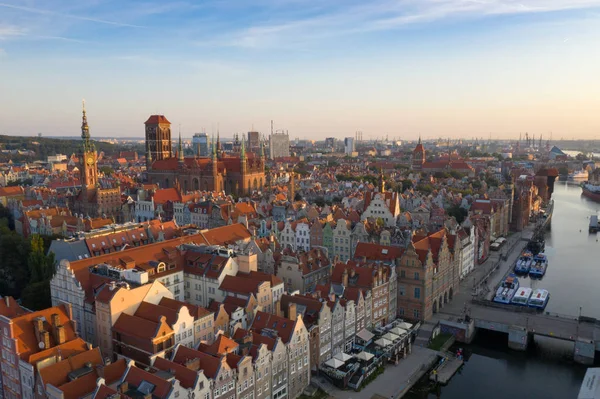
(522,296)
(507,289)
(539,299)
(524,262)
(539,265)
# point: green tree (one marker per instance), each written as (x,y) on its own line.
(407,184)
(107,170)
(42,267)
(458,212)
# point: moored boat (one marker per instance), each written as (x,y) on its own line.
(507,289)
(539,265)
(539,299)
(524,262)
(578,175)
(522,296)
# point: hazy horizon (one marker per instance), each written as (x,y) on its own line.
(438,68)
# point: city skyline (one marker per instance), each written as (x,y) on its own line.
(451,68)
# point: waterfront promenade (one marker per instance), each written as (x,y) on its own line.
(395,381)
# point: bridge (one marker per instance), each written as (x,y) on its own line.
(472,309)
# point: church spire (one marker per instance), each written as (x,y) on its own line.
(180,149)
(419,138)
(243,149)
(85,130)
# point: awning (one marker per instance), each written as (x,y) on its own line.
(391,337)
(405,325)
(383,342)
(398,331)
(365,335)
(335,363)
(344,357)
(366,356)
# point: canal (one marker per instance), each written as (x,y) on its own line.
(546,370)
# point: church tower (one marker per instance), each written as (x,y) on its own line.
(418,158)
(158,138)
(89,160)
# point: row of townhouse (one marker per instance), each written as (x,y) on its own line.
(182,265)
(42,357)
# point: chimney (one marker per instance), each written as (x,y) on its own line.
(38,327)
(345,277)
(45,340)
(292,312)
(123,387)
(61,336)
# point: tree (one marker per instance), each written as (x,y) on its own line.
(42,267)
(407,184)
(458,212)
(107,170)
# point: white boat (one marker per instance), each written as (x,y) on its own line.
(507,289)
(522,296)
(579,175)
(539,299)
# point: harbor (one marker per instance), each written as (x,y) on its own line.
(520,335)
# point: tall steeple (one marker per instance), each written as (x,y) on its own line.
(218,144)
(381,181)
(180,149)
(419,139)
(243,149)
(85,130)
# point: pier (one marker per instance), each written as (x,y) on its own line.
(472,309)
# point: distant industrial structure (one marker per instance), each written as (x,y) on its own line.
(200,144)
(279,143)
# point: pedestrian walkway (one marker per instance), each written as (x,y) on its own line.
(395,381)
(446,370)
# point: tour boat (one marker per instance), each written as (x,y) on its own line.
(578,174)
(524,262)
(591,190)
(507,289)
(522,296)
(539,265)
(539,299)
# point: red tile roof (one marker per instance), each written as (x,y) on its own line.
(376,252)
(155,119)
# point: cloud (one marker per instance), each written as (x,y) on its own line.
(11,31)
(69,16)
(283,29)
(2,52)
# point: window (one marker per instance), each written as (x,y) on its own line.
(402,273)
(417,293)
(401,290)
(416,314)
(416,275)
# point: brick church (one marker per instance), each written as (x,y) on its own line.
(92,200)
(237,173)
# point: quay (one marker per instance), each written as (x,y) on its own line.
(472,310)
(446,370)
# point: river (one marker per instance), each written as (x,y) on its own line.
(491,370)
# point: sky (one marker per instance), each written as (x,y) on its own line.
(317,68)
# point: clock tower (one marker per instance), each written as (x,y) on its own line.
(89,161)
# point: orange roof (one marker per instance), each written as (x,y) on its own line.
(227,234)
(23,330)
(283,326)
(11,191)
(155,119)
(210,364)
(376,252)
(135,376)
(140,327)
(57,374)
(10,308)
(186,377)
(221,346)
